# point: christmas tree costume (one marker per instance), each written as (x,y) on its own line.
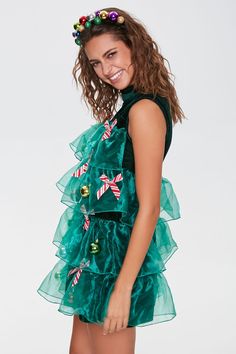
(93,233)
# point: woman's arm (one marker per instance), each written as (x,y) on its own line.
(147,128)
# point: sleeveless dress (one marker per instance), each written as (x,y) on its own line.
(93,232)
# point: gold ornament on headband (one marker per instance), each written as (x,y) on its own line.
(97,18)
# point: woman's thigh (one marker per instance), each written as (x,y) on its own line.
(122,341)
(80,339)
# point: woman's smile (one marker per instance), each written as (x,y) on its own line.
(116,77)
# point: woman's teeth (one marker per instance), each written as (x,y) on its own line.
(116,76)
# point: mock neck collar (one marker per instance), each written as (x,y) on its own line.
(127,93)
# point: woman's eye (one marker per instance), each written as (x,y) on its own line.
(94,64)
(111,53)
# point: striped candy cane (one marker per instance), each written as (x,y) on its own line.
(87,220)
(112,184)
(86,223)
(109,128)
(79,271)
(82,169)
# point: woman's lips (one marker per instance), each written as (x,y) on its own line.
(116,77)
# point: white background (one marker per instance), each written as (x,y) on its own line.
(41,112)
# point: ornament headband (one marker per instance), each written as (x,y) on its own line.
(97,18)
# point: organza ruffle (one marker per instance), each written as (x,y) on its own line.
(151,298)
(81,282)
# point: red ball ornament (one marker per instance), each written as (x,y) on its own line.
(82,20)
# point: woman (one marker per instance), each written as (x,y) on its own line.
(113,238)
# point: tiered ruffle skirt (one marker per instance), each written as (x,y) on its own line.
(91,249)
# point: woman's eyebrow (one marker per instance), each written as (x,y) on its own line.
(103,54)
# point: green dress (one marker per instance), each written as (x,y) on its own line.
(93,232)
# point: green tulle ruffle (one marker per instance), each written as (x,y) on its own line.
(81,282)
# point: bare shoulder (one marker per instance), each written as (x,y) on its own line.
(146,113)
(147,129)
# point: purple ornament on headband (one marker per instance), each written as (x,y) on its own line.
(97,12)
(113,16)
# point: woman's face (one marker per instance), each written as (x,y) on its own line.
(111,60)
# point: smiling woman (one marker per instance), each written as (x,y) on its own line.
(114,239)
(113,67)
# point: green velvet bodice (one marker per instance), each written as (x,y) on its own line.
(129,97)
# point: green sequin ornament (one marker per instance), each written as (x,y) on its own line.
(97,20)
(87,24)
(78,41)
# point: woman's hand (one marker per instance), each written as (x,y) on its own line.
(118,311)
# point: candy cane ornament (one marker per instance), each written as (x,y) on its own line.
(110,183)
(79,271)
(82,169)
(86,216)
(86,223)
(109,128)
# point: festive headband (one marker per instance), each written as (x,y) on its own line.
(97,18)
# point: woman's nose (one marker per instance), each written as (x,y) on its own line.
(107,69)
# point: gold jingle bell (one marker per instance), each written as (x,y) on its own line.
(103,14)
(84,191)
(94,247)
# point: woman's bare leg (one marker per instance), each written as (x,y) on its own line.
(122,341)
(81,342)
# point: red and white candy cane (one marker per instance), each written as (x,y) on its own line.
(109,128)
(82,169)
(79,271)
(87,222)
(112,184)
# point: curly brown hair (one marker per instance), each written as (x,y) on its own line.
(150,76)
